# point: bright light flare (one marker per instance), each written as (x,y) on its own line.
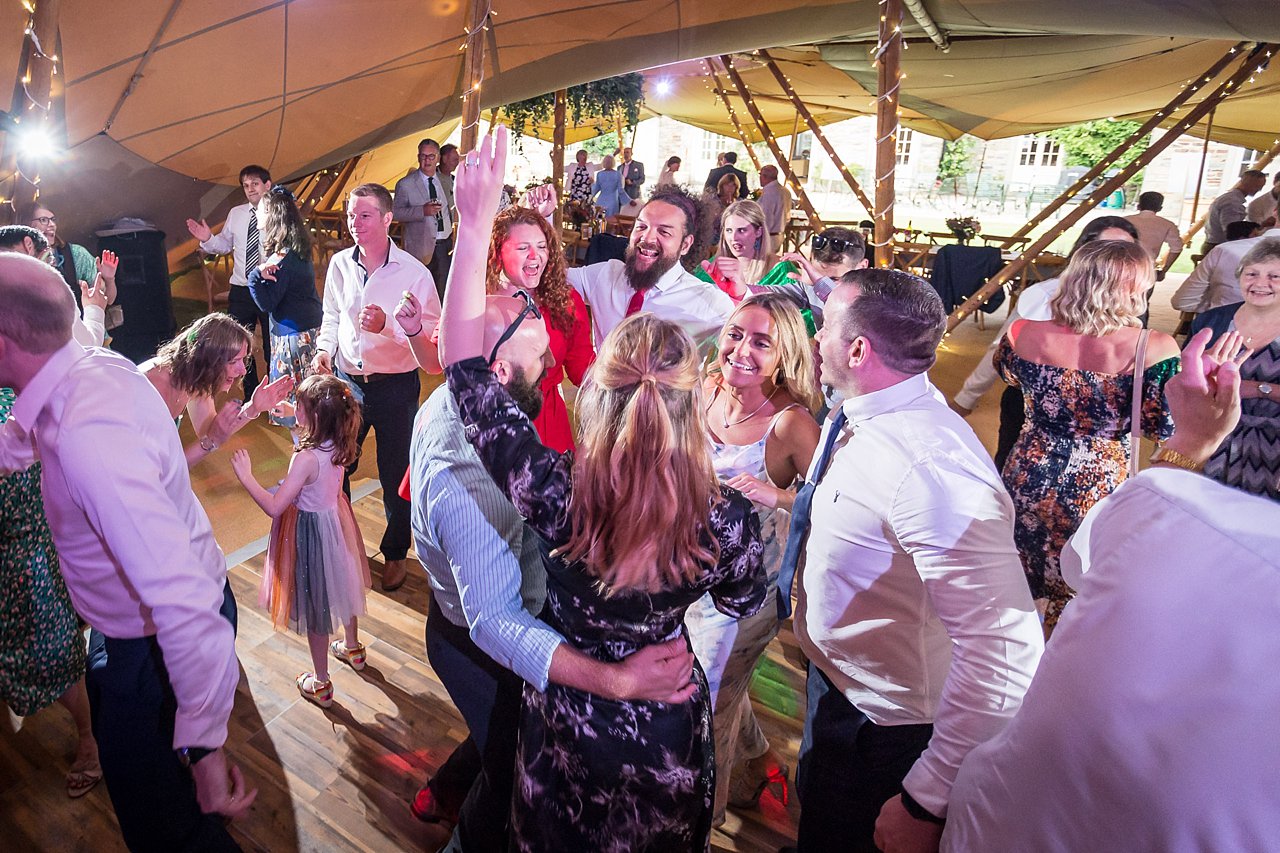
(663,87)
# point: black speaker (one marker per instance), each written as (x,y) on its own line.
(142,285)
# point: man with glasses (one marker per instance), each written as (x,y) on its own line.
(88,327)
(485,645)
(422,206)
(361,344)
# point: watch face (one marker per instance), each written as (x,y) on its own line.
(1264,389)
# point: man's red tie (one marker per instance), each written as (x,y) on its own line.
(636,303)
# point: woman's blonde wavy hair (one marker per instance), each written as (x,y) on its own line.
(1104,287)
(643,484)
(796,371)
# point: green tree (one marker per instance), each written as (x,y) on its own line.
(598,146)
(956,161)
(1086,144)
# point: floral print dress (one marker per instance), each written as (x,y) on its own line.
(1073,451)
(593,773)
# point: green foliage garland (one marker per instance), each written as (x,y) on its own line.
(603,100)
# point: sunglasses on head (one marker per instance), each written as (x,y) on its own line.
(820,242)
(529,308)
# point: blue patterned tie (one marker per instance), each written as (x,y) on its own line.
(799,530)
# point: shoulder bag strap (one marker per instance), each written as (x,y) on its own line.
(1135,425)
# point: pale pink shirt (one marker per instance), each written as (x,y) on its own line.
(136,548)
(348,289)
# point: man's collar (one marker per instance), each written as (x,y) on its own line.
(669,278)
(28,404)
(866,406)
(391,249)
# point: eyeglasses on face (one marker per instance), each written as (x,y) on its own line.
(529,308)
(820,242)
(44,220)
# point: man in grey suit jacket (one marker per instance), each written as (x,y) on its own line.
(421,204)
(632,174)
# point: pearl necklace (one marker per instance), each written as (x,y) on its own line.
(725,408)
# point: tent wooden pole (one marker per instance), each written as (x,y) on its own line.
(802,112)
(1253,63)
(1149,125)
(474,75)
(321,186)
(733,114)
(332,196)
(32,105)
(557,155)
(1261,163)
(1204,160)
(784,164)
(888,81)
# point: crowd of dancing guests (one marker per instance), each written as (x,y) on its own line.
(755,440)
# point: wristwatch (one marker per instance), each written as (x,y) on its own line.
(207,444)
(189,755)
(1264,389)
(1173,457)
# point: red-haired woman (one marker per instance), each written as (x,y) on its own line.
(525,254)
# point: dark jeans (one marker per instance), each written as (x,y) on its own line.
(1012,415)
(241,306)
(388,405)
(849,767)
(488,695)
(441,259)
(132,706)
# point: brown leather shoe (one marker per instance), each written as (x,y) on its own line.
(394,574)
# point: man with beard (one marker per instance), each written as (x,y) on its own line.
(652,277)
(487,586)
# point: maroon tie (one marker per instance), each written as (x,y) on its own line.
(636,303)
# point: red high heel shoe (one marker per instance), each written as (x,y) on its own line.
(745,794)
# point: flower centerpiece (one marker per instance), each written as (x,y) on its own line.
(964,227)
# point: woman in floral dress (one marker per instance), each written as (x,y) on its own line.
(42,650)
(635,529)
(1076,375)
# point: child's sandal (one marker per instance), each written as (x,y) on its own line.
(354,658)
(314,690)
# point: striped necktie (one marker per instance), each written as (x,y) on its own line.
(799,531)
(252,250)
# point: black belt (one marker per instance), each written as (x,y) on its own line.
(370,378)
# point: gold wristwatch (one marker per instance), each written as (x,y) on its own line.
(1173,457)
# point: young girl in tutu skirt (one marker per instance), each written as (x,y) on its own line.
(316,574)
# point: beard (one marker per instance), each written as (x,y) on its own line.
(525,394)
(647,278)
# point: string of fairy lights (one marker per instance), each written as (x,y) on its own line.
(466,48)
(889,37)
(32,124)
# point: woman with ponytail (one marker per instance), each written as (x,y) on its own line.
(636,528)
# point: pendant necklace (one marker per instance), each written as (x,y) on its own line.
(725,409)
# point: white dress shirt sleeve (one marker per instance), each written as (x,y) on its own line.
(487,576)
(17,451)
(958,528)
(327,340)
(91,329)
(580,280)
(1193,295)
(984,374)
(122,495)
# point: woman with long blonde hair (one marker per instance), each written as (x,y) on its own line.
(761,396)
(636,528)
(1076,372)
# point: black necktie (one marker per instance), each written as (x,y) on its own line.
(252,250)
(431,190)
(799,530)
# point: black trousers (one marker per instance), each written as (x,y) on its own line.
(245,311)
(849,767)
(387,406)
(488,695)
(132,706)
(1012,415)
(441,259)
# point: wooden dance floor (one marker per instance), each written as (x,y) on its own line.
(341,779)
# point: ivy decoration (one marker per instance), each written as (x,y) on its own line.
(602,100)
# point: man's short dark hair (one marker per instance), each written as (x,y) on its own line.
(428,141)
(854,251)
(1152,201)
(731,158)
(1242,230)
(11,237)
(901,314)
(377,192)
(678,196)
(445,149)
(255,171)
(1254,173)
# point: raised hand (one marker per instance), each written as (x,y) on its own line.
(108,264)
(807,274)
(408,314)
(541,198)
(478,184)
(373,318)
(268,395)
(1204,398)
(96,295)
(200,230)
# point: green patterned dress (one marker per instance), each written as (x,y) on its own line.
(42,651)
